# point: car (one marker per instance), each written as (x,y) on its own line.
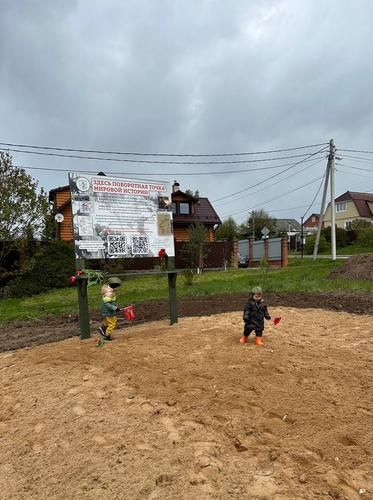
(243,262)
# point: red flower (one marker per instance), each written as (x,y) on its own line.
(72,280)
(162,252)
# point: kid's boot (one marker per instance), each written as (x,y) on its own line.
(259,341)
(102,330)
(243,339)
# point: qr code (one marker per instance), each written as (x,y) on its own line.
(140,245)
(116,244)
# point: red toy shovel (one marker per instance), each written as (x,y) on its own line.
(129,312)
(276,320)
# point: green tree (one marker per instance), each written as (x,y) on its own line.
(228,230)
(190,192)
(256,221)
(23,210)
(195,248)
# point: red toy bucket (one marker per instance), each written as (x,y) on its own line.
(276,320)
(129,312)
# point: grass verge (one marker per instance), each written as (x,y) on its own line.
(300,275)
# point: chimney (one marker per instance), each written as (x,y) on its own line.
(175,187)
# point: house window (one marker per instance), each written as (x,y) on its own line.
(173,208)
(348,225)
(184,208)
(341,207)
(313,219)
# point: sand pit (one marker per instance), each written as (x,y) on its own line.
(187,412)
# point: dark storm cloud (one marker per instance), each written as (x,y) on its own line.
(187,76)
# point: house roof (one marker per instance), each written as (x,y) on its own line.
(52,192)
(203,212)
(184,195)
(360,200)
(309,219)
(283,225)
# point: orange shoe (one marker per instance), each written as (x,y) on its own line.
(243,339)
(259,341)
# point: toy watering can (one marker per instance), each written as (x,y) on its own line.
(129,312)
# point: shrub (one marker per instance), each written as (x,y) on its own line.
(340,236)
(360,224)
(188,276)
(310,243)
(50,267)
(365,237)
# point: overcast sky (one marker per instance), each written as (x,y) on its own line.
(191,76)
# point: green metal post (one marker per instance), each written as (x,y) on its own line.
(172,297)
(82,283)
(85,330)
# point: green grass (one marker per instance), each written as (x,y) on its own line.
(305,275)
(353,249)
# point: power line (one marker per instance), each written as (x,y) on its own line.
(167,162)
(359,158)
(276,198)
(287,209)
(268,178)
(129,153)
(316,195)
(353,167)
(270,185)
(180,174)
(356,151)
(354,173)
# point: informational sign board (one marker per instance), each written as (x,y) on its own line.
(120,218)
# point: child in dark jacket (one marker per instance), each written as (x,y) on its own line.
(109,307)
(255,310)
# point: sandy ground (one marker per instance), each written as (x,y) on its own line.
(186,412)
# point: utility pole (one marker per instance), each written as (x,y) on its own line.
(301,235)
(330,170)
(322,210)
(252,216)
(332,197)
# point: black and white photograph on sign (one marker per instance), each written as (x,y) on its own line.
(120,218)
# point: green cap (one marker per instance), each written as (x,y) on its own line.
(257,290)
(114,282)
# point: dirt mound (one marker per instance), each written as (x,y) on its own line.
(359,267)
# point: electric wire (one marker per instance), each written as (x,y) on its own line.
(268,178)
(316,195)
(179,174)
(271,185)
(354,168)
(275,198)
(354,173)
(163,162)
(356,151)
(359,158)
(130,153)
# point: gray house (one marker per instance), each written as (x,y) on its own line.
(289,226)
